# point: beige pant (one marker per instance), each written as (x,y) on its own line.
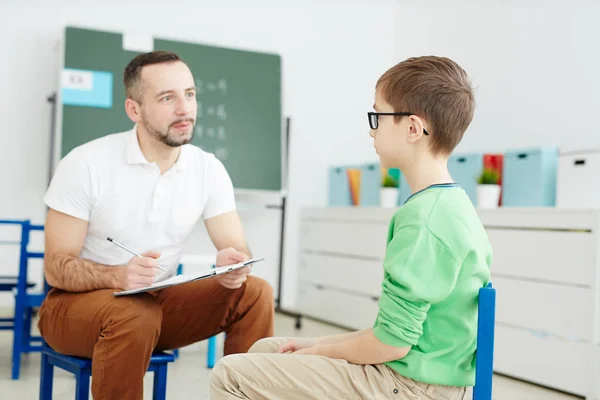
(264,375)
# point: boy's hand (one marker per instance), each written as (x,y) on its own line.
(294,345)
(309,351)
(233,279)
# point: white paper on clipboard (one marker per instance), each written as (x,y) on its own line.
(184,278)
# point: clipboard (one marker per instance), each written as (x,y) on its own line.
(185,278)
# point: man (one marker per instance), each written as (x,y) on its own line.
(146,188)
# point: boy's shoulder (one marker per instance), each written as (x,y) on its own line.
(437,203)
(447,213)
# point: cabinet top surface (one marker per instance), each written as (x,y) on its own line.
(503,217)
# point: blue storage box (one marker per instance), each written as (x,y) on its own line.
(370,184)
(339,187)
(395,173)
(405,190)
(465,169)
(529,177)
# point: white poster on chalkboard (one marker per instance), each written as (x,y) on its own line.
(76,79)
(138,42)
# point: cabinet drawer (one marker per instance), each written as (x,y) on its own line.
(360,239)
(543,360)
(351,311)
(575,172)
(560,310)
(546,255)
(350,274)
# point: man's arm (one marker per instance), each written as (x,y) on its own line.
(65,270)
(227,234)
(62,266)
(226,230)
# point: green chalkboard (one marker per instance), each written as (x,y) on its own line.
(239,102)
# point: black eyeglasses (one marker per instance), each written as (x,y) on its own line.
(374,118)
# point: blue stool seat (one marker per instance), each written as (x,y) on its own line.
(82,369)
(8,283)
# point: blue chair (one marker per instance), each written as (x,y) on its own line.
(82,369)
(484,356)
(211,357)
(25,302)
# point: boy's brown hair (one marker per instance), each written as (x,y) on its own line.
(436,89)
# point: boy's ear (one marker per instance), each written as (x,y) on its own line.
(415,128)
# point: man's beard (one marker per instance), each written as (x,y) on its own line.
(166,137)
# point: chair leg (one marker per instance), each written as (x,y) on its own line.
(46,378)
(82,387)
(211,357)
(27,329)
(18,337)
(160,383)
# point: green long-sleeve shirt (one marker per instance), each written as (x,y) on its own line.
(437,258)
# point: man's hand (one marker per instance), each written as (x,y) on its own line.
(140,271)
(295,345)
(233,279)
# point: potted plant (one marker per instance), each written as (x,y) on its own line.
(389,192)
(488,189)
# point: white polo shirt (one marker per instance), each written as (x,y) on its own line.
(109,183)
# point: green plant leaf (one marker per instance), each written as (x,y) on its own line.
(389,181)
(488,177)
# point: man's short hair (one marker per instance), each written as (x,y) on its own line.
(436,89)
(132,73)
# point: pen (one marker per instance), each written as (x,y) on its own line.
(129,250)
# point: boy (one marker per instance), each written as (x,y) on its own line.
(422,344)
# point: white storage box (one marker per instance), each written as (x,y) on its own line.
(578,179)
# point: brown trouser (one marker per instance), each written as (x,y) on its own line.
(120,333)
(263,375)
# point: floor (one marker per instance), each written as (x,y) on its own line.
(188,376)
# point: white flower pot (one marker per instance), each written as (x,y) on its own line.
(488,196)
(388,197)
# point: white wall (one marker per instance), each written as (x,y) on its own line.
(333,52)
(534,65)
